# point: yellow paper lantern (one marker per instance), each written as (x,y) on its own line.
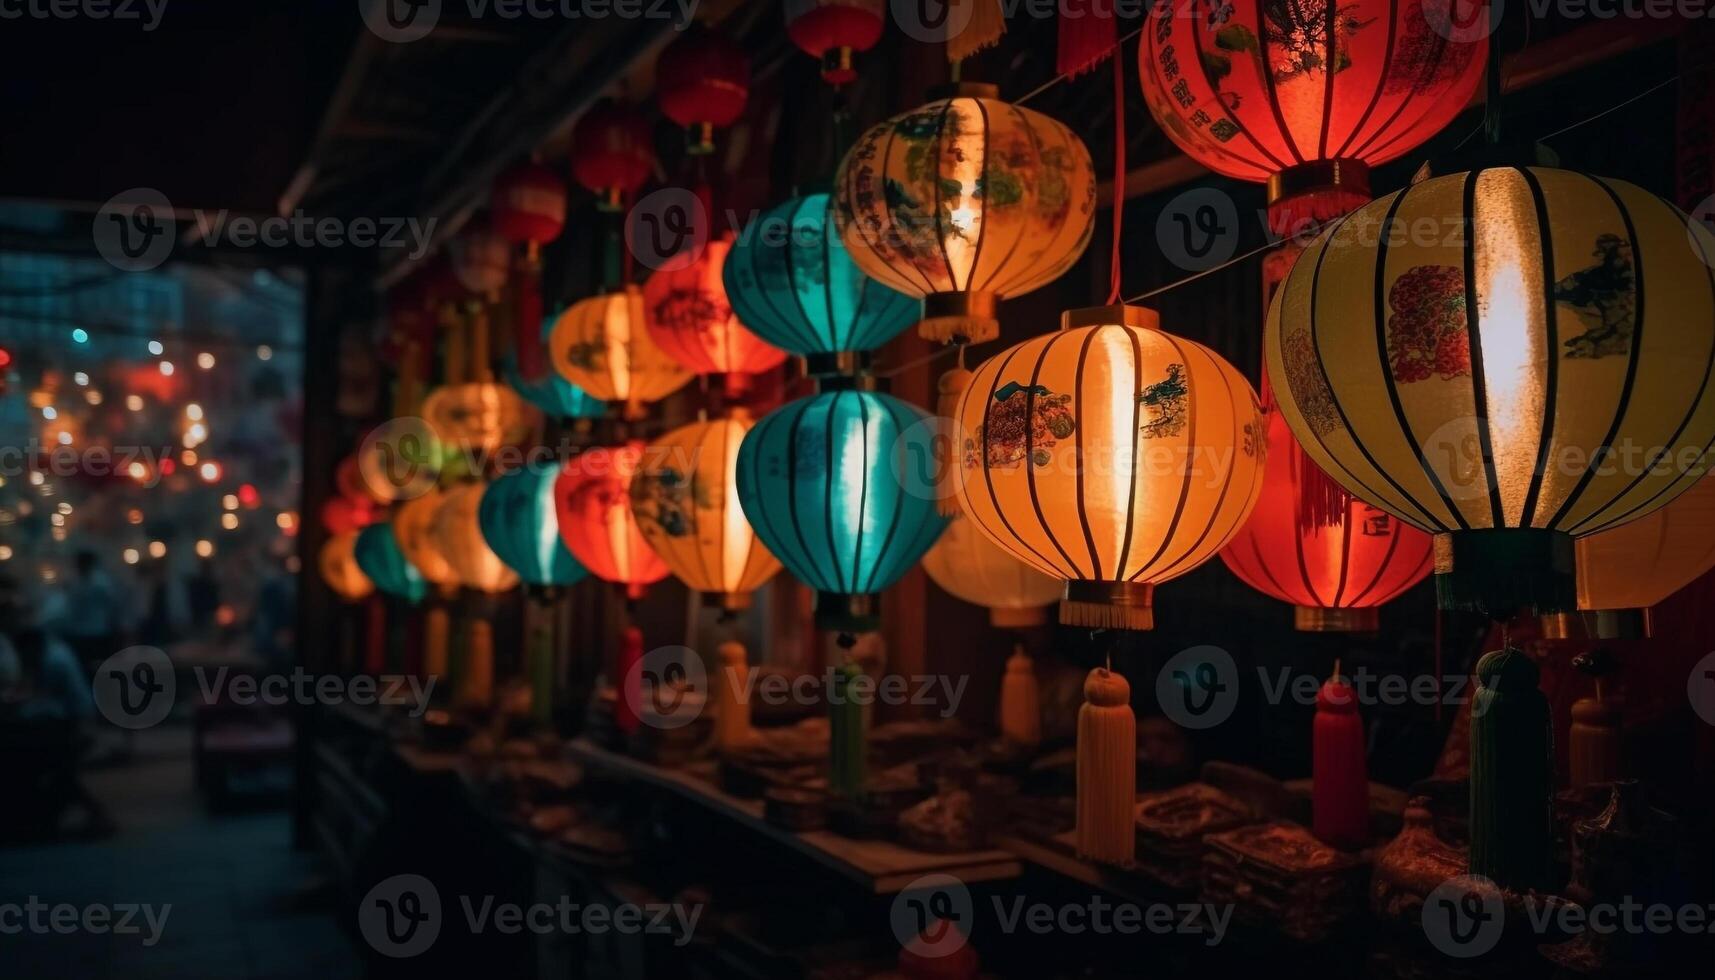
(1111,455)
(412,527)
(457,535)
(1574,399)
(603,346)
(964,201)
(685,500)
(338,562)
(479,415)
(968,566)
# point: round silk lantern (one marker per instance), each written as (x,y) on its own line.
(1338,572)
(556,397)
(520,524)
(837,486)
(968,566)
(528,204)
(1498,379)
(340,570)
(481,260)
(792,282)
(603,346)
(965,201)
(685,500)
(457,534)
(702,82)
(832,30)
(412,529)
(1308,96)
(689,317)
(379,556)
(592,497)
(478,415)
(1112,455)
(613,153)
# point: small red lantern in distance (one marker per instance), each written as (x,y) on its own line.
(613,153)
(702,81)
(832,30)
(529,207)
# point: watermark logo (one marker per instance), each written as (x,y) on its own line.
(1700,688)
(668,687)
(400,459)
(400,21)
(1199,229)
(1198,688)
(668,229)
(1464,916)
(932,21)
(1464,21)
(135,688)
(926,455)
(135,231)
(401,916)
(933,916)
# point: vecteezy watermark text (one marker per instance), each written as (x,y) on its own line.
(147,12)
(100,919)
(404,21)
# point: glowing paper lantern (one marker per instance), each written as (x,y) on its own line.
(837,486)
(379,556)
(792,282)
(481,260)
(592,497)
(340,570)
(478,415)
(689,317)
(412,529)
(520,524)
(1337,574)
(528,205)
(964,201)
(702,82)
(1308,96)
(457,534)
(968,566)
(1111,455)
(831,30)
(685,500)
(613,153)
(1563,407)
(347,515)
(603,346)
(556,397)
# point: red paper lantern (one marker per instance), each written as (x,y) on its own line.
(702,81)
(832,30)
(593,500)
(529,205)
(613,153)
(348,515)
(690,318)
(1246,90)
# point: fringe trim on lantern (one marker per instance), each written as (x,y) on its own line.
(948,391)
(1512,785)
(1020,700)
(1500,571)
(1087,36)
(983,29)
(732,708)
(958,329)
(1108,605)
(1321,502)
(1107,770)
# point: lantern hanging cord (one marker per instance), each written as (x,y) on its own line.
(1235,260)
(1057,79)
(1613,108)
(920,361)
(1114,275)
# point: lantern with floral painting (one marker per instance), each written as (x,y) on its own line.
(340,570)
(685,501)
(593,500)
(1109,454)
(831,31)
(1484,386)
(1308,95)
(378,554)
(963,202)
(613,153)
(603,346)
(528,203)
(685,305)
(702,82)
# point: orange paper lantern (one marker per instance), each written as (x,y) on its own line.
(603,346)
(458,538)
(593,500)
(969,566)
(339,568)
(413,529)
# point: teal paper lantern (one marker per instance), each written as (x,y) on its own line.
(554,395)
(840,488)
(793,284)
(379,556)
(520,524)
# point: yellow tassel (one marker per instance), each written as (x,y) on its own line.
(948,391)
(437,630)
(476,680)
(732,708)
(1107,770)
(984,23)
(1020,701)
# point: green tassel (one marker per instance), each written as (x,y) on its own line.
(1501,571)
(847,750)
(1511,773)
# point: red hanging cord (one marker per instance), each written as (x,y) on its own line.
(1114,274)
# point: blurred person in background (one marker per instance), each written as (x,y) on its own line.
(87,614)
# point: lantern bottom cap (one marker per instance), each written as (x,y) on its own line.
(728,601)
(1598,624)
(700,139)
(1500,571)
(838,66)
(1108,605)
(964,317)
(1325,619)
(847,612)
(1315,192)
(841,362)
(1018,618)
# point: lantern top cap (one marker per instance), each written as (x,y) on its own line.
(1141,317)
(1485,156)
(964,90)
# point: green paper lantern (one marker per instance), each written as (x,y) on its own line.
(839,486)
(379,556)
(519,523)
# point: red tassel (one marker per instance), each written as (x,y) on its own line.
(1321,501)
(1087,35)
(527,330)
